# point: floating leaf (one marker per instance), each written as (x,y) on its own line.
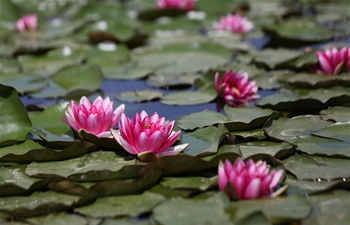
(246,118)
(337,114)
(278,150)
(189,97)
(185,211)
(131,205)
(170,80)
(139,95)
(329,208)
(313,167)
(319,81)
(337,131)
(14,120)
(200,119)
(72,79)
(201,183)
(291,130)
(97,161)
(57,219)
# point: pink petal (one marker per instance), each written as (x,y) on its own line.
(222,178)
(253,189)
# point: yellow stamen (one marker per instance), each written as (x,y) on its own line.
(236,90)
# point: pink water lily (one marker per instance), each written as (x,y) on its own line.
(27,22)
(250,180)
(235,23)
(235,88)
(146,134)
(334,61)
(96,118)
(186,5)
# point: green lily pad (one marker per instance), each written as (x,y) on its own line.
(319,81)
(301,30)
(189,97)
(57,219)
(338,131)
(201,183)
(139,95)
(317,168)
(274,58)
(291,130)
(83,78)
(98,161)
(131,205)
(329,208)
(336,113)
(183,58)
(23,82)
(274,79)
(305,99)
(293,207)
(162,80)
(14,120)
(200,119)
(313,145)
(278,150)
(177,211)
(247,118)
(310,186)
(20,148)
(37,204)
(51,119)
(26,154)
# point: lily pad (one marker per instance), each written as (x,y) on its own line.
(171,80)
(139,95)
(278,150)
(189,97)
(200,183)
(200,119)
(98,161)
(177,211)
(319,81)
(291,130)
(83,78)
(317,168)
(337,114)
(337,131)
(56,219)
(14,120)
(131,205)
(247,118)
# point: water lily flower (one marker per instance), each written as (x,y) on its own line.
(27,22)
(235,88)
(145,134)
(186,5)
(249,180)
(235,23)
(334,61)
(96,118)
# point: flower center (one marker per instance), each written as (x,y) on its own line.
(146,125)
(236,90)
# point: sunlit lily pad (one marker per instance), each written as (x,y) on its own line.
(278,150)
(58,218)
(337,131)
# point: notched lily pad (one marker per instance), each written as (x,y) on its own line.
(338,131)
(139,95)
